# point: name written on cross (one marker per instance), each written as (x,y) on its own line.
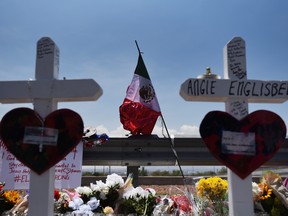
(235,88)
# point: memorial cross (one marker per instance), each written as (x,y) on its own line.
(45,92)
(236,91)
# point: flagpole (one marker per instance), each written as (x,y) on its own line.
(185,181)
(172,147)
(138,47)
(171,142)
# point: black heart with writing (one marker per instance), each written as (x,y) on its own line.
(265,130)
(67,123)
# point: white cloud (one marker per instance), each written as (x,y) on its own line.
(118,132)
(189,130)
(183,131)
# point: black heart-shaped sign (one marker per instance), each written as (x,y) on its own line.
(243,146)
(60,132)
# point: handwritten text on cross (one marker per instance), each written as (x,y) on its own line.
(220,90)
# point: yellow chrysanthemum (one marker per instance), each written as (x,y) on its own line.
(213,188)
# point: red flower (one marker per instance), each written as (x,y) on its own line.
(182,203)
(56,195)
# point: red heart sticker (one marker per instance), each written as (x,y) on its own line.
(243,146)
(40,144)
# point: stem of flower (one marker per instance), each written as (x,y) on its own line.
(146,205)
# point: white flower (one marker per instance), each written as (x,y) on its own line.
(255,188)
(84,190)
(151,190)
(143,193)
(63,196)
(95,187)
(100,187)
(128,193)
(136,193)
(113,180)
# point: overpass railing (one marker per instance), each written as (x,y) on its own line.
(155,151)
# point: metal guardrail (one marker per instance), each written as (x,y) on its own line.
(158,180)
(155,151)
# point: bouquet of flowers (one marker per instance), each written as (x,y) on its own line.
(137,201)
(270,195)
(207,197)
(114,196)
(90,199)
(8,199)
(214,190)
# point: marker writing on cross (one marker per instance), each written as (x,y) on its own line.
(255,90)
(236,91)
(45,92)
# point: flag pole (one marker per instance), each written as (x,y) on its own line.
(138,47)
(171,142)
(172,147)
(185,181)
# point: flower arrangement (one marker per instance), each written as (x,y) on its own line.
(91,199)
(270,195)
(8,198)
(206,197)
(114,196)
(90,137)
(214,190)
(138,201)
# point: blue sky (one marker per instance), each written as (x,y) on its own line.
(179,40)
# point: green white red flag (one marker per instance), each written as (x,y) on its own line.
(140,109)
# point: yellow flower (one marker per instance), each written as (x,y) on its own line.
(265,191)
(108,210)
(12,196)
(213,188)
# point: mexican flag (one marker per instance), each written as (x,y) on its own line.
(140,109)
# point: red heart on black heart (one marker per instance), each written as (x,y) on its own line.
(243,146)
(68,125)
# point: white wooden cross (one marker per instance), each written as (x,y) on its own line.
(45,92)
(236,91)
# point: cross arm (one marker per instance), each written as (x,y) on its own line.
(59,90)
